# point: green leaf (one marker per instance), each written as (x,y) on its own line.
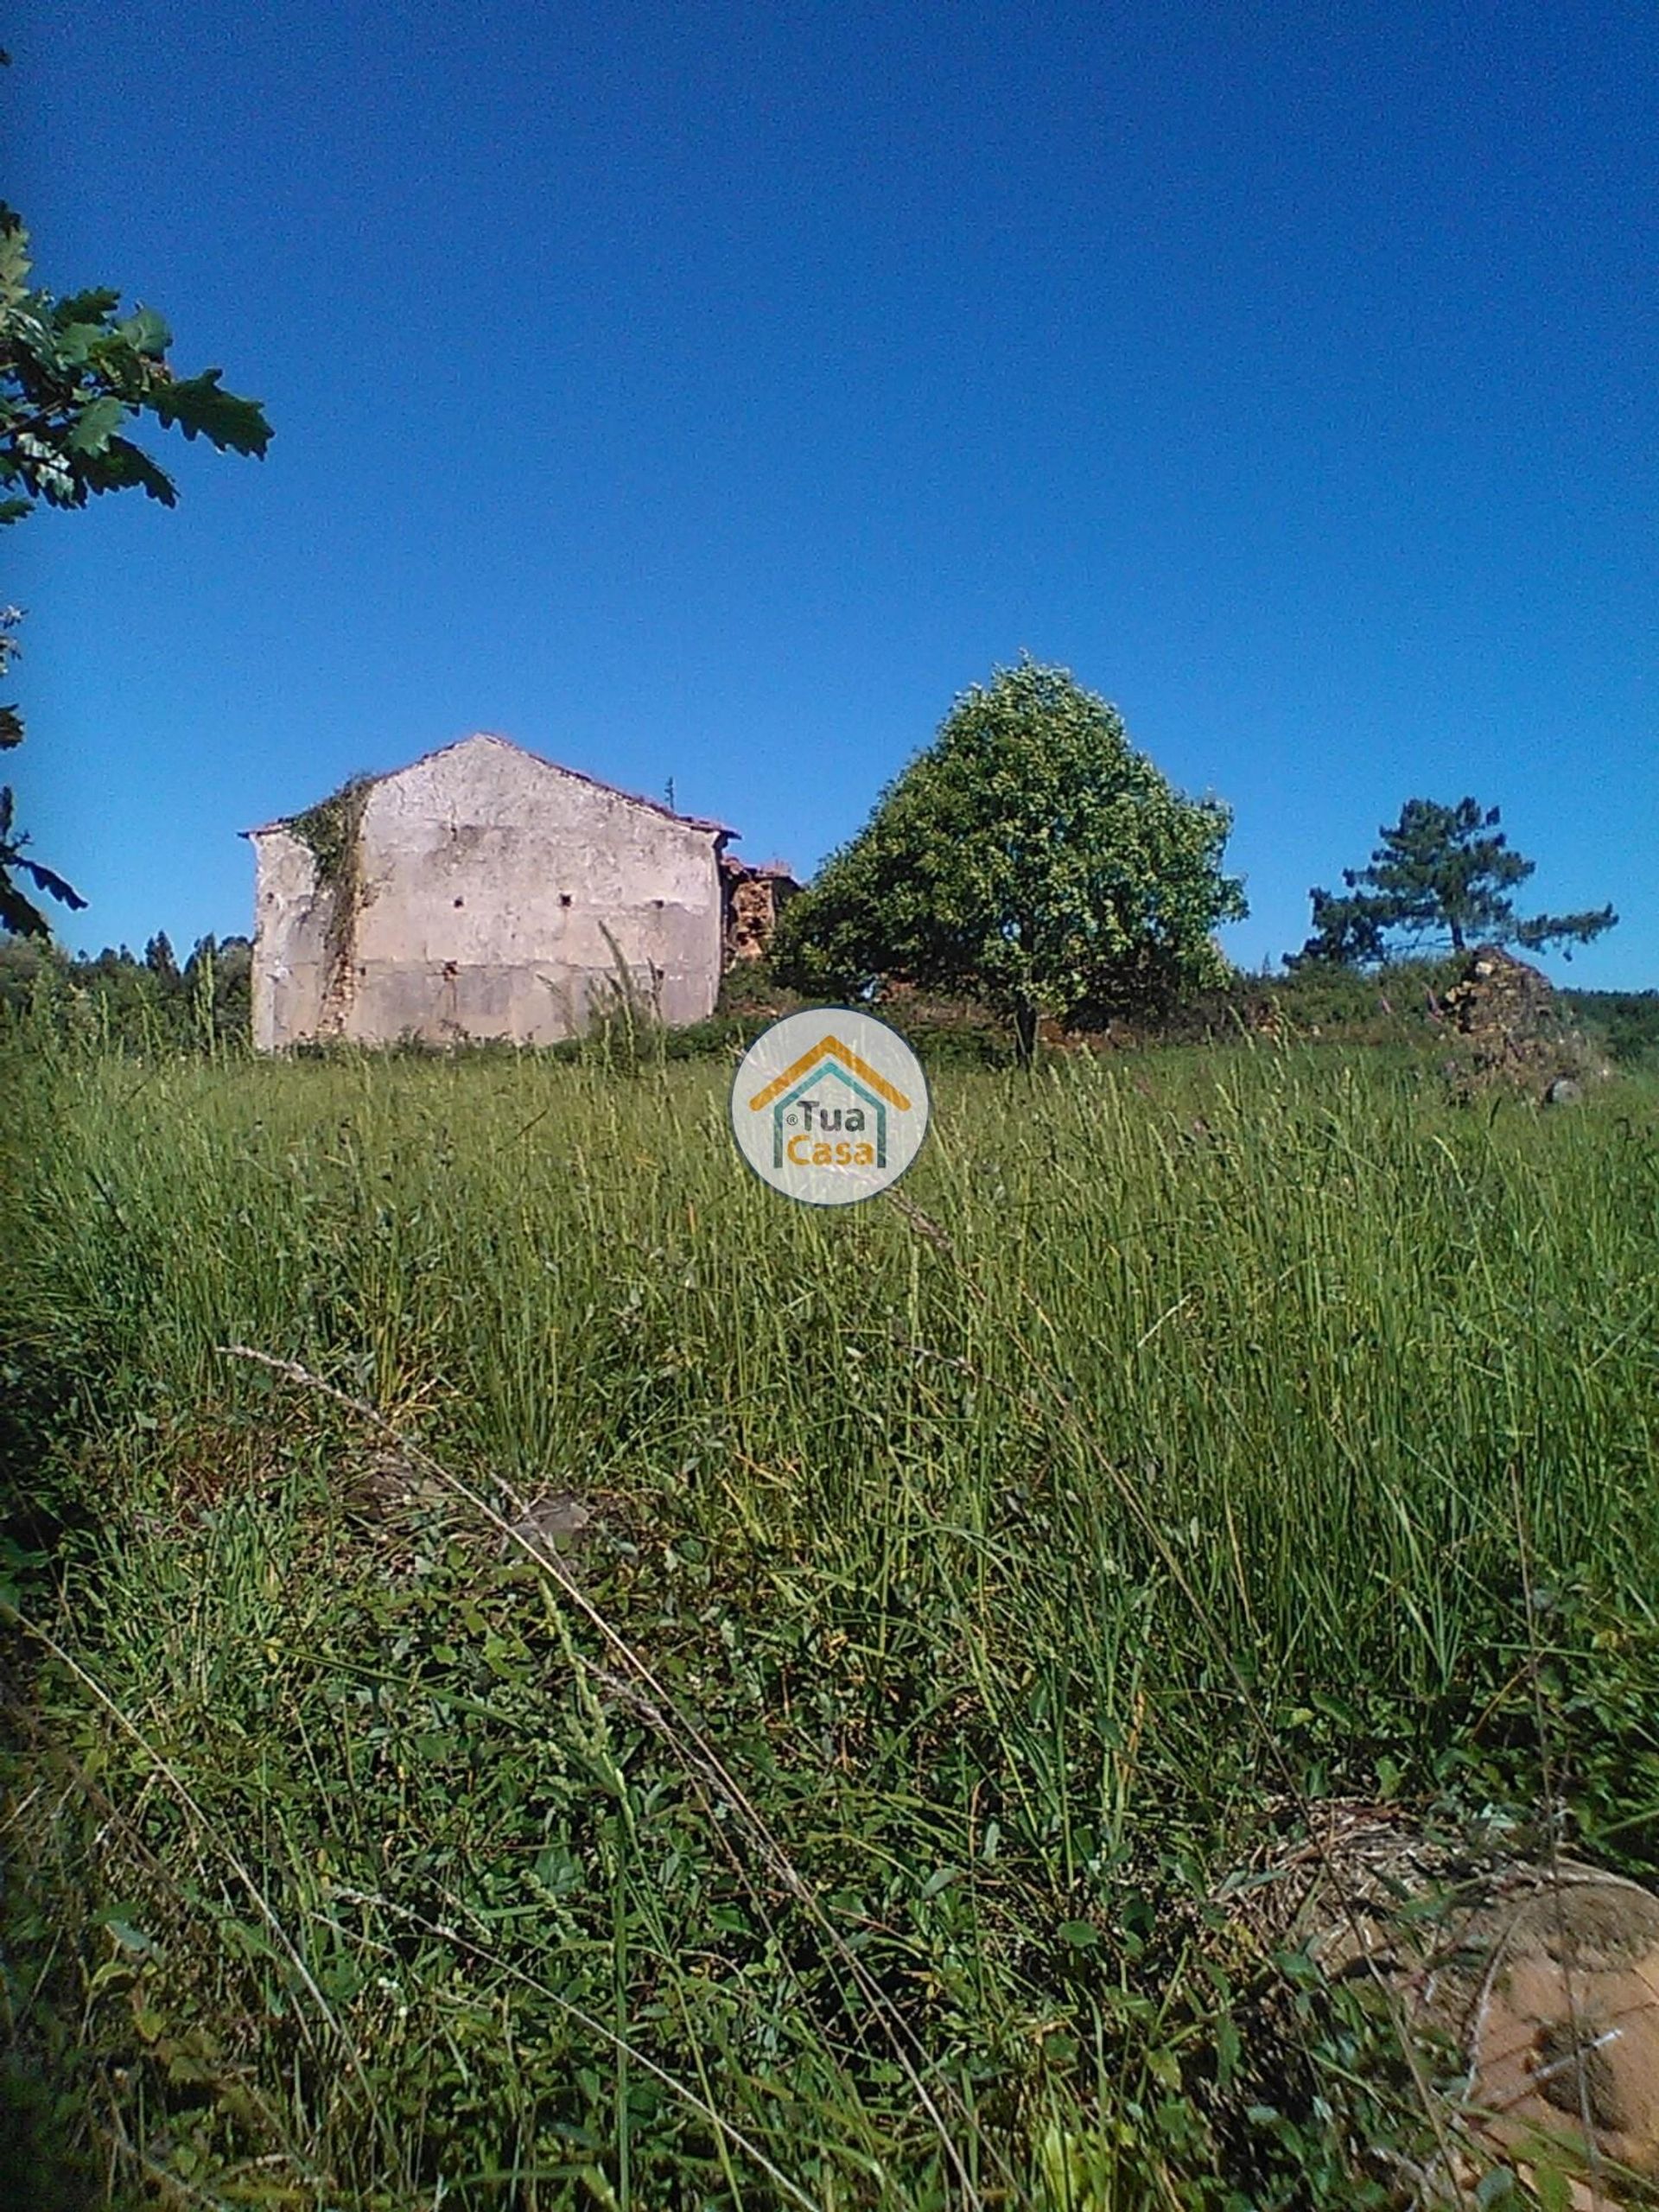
(129,1937)
(1552,2187)
(20,915)
(14,259)
(77,342)
(122,465)
(96,425)
(93,308)
(200,408)
(145,331)
(1164,2067)
(47,880)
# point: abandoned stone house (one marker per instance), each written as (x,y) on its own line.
(482,891)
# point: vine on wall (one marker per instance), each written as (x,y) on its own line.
(332,829)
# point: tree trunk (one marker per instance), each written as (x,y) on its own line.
(1025,1033)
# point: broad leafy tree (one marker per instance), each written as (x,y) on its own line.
(1441,879)
(76,374)
(1030,857)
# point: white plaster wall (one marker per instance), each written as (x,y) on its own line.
(485,877)
(290,954)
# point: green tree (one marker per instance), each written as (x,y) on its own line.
(73,373)
(1442,876)
(1030,855)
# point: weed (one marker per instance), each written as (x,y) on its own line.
(969,1578)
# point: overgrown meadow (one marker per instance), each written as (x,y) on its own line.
(978,1582)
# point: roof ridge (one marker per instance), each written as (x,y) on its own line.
(493,737)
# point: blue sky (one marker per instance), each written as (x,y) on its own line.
(710,393)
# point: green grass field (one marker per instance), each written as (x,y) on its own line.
(975,1581)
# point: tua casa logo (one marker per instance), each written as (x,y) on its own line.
(829,1107)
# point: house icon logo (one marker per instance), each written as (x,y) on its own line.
(829,1107)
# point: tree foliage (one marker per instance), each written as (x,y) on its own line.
(74,374)
(112,999)
(1442,875)
(1030,855)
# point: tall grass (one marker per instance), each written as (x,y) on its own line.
(992,1570)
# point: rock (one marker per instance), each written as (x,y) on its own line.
(753,896)
(384,1486)
(1511,1030)
(1545,1976)
(556,1525)
(1564,2042)
(1563,1091)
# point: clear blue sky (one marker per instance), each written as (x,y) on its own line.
(712,392)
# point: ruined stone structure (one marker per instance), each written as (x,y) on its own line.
(1509,1027)
(754,899)
(482,891)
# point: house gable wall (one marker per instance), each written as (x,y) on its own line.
(290,951)
(482,887)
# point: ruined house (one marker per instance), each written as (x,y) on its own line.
(754,899)
(1510,1028)
(482,891)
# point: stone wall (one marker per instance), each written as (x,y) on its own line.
(1509,1027)
(754,899)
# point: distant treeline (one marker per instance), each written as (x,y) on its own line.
(1627,1021)
(136,1003)
(131,1003)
